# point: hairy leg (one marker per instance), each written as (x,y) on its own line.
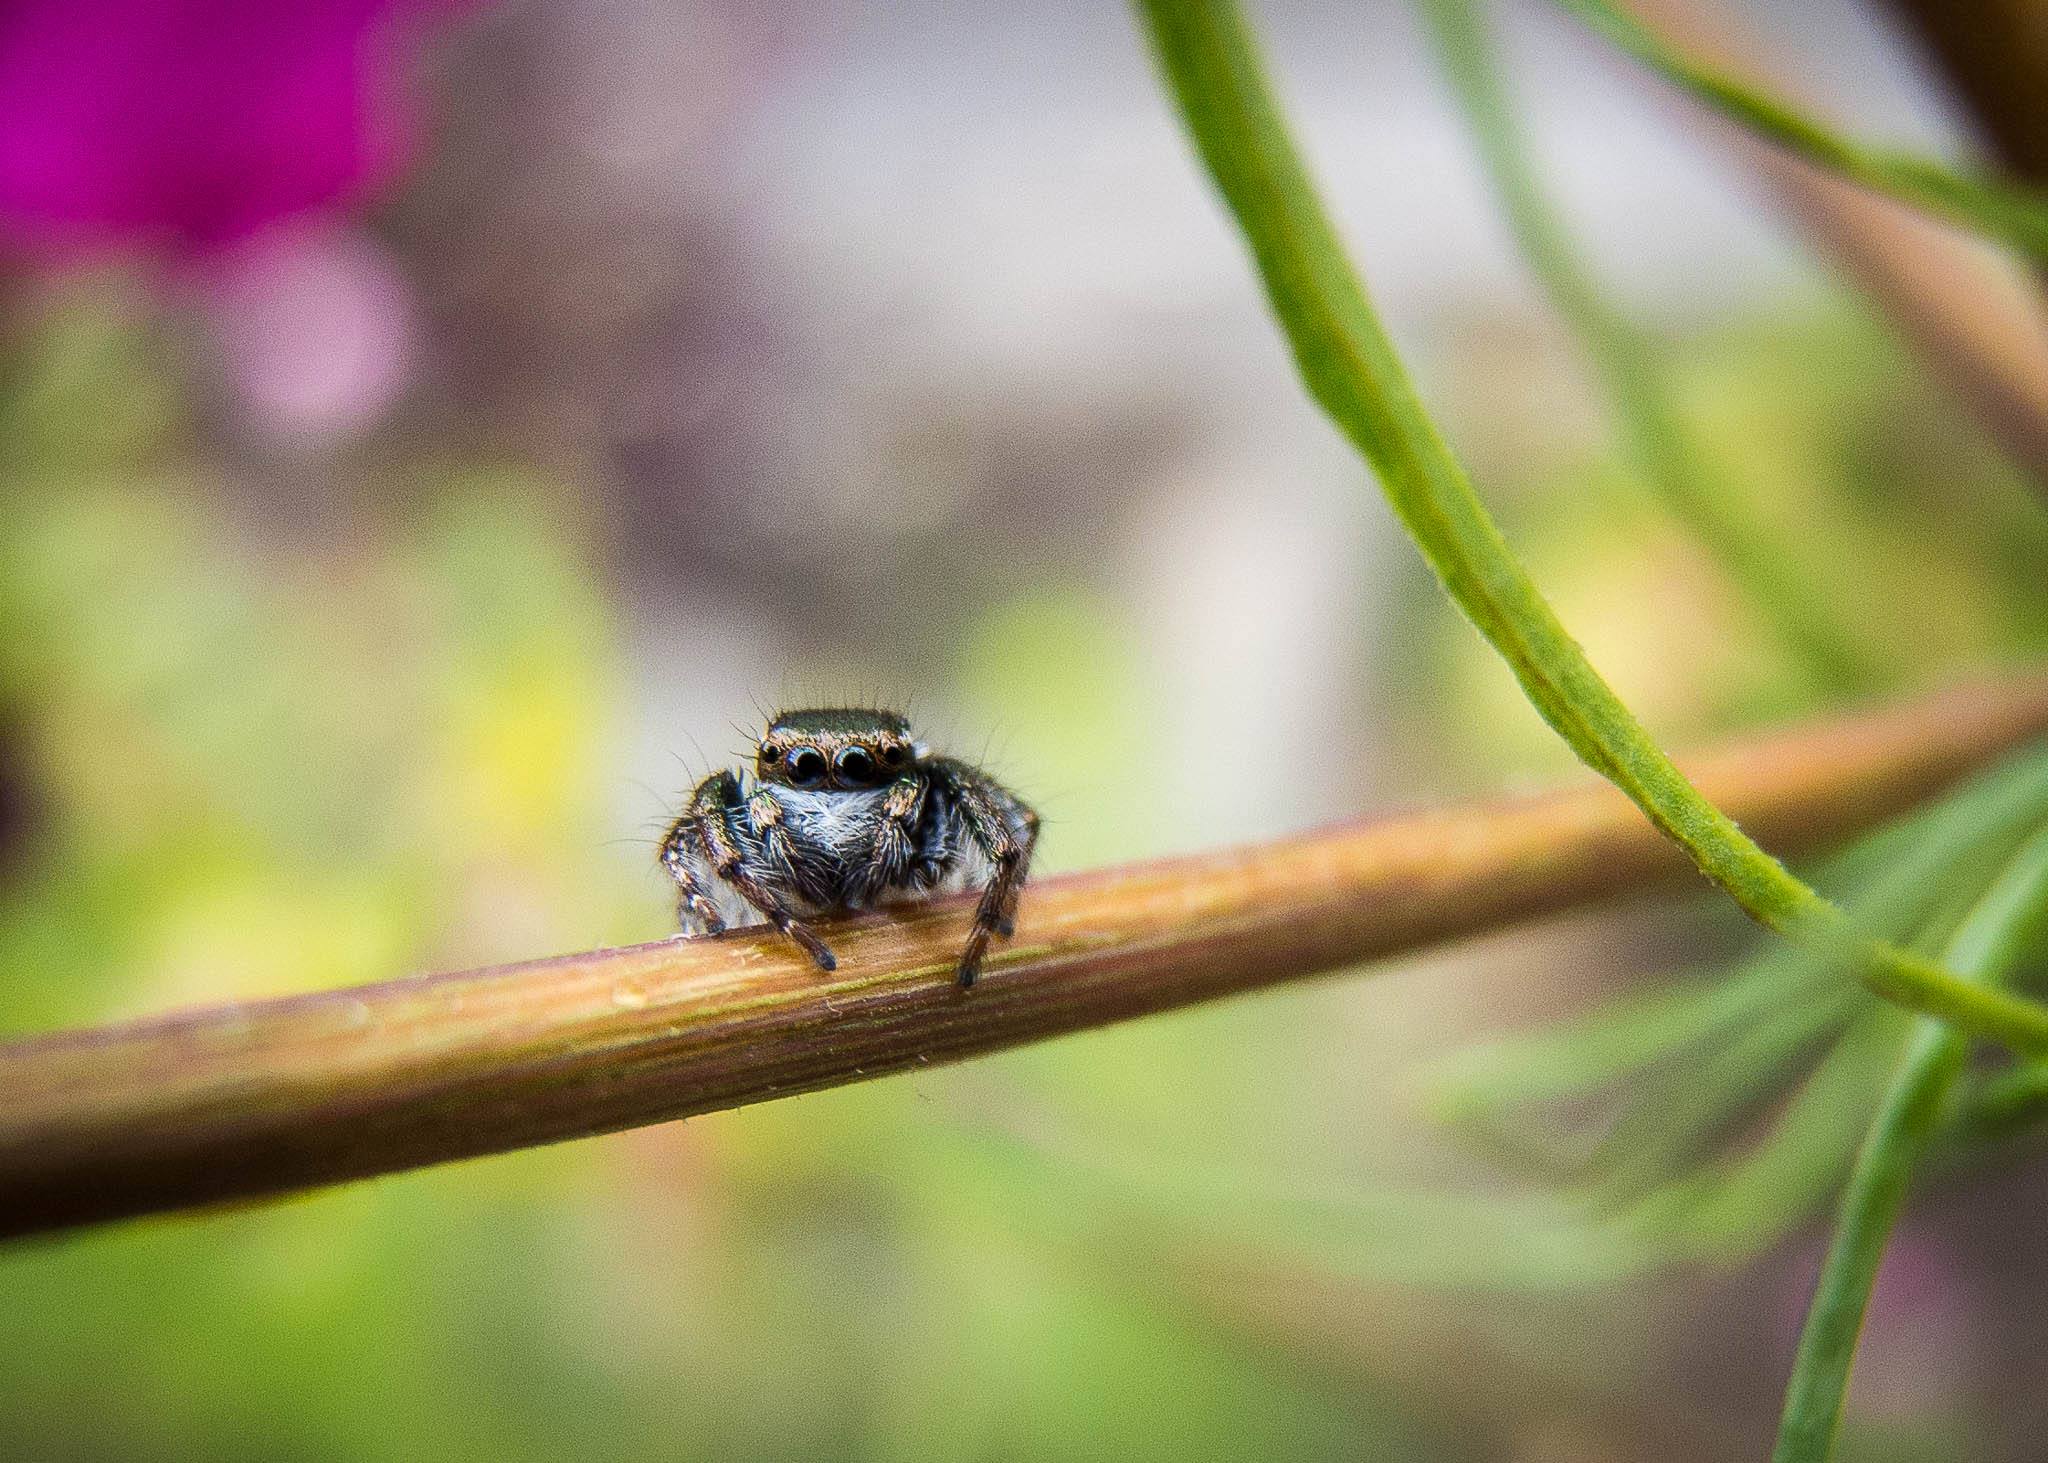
(893,860)
(695,909)
(1027,821)
(1006,831)
(764,816)
(716,802)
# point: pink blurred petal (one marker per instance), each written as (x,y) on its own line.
(187,124)
(316,328)
(1916,1352)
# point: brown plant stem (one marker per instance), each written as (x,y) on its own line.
(256,1098)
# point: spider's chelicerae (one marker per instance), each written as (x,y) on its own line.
(846,810)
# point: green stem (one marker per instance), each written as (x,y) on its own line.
(1893,882)
(1990,941)
(1351,368)
(2001,209)
(1630,369)
(1963,843)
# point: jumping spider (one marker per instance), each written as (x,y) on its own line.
(844,811)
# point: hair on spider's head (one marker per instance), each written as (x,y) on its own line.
(839,721)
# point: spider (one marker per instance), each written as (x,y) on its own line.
(844,810)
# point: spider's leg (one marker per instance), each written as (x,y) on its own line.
(891,859)
(695,909)
(935,840)
(1006,832)
(764,816)
(721,798)
(1026,819)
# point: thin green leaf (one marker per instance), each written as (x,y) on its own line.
(1612,1042)
(1631,370)
(1728,1212)
(1702,1094)
(1887,878)
(1698,1056)
(1387,1231)
(1990,941)
(2001,209)
(2007,1102)
(1351,368)
(1616,1039)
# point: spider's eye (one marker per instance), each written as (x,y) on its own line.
(856,766)
(806,766)
(894,753)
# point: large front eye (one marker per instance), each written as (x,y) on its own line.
(806,767)
(856,767)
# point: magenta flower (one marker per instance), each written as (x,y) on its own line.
(183,125)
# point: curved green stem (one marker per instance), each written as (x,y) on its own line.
(1991,940)
(1630,370)
(1351,368)
(2003,210)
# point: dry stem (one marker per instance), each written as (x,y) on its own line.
(259,1098)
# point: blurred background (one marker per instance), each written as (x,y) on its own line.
(435,432)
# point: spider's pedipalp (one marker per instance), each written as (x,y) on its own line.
(707,830)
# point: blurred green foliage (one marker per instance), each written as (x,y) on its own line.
(1824,433)
(262,764)
(261,760)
